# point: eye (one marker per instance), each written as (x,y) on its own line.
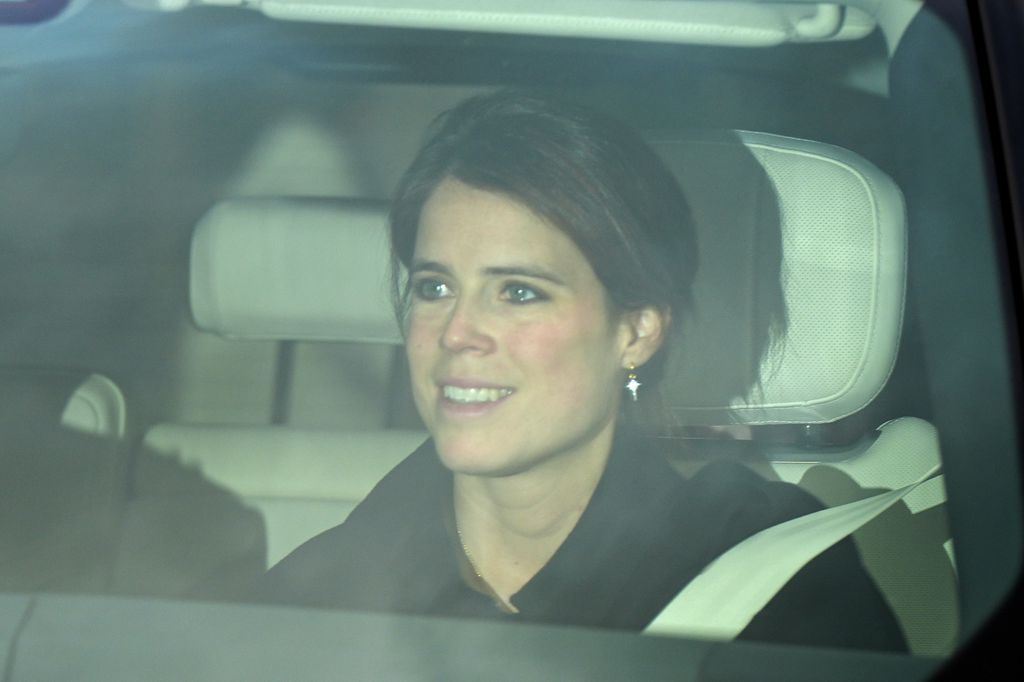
(428,289)
(521,293)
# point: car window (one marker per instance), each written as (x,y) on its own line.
(201,369)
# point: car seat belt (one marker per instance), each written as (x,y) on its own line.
(727,594)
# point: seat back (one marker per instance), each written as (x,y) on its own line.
(803,235)
(811,238)
(282,269)
(908,549)
(300,481)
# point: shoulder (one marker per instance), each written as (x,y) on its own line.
(730,478)
(724,502)
(832,601)
(746,501)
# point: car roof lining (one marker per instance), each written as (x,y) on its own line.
(741,24)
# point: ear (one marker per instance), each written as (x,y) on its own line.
(644,330)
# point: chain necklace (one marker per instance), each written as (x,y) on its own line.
(499,601)
(469,557)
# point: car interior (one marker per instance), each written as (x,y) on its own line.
(201,366)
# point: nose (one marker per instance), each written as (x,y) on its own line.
(464,330)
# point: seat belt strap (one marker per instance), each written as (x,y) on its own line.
(733,588)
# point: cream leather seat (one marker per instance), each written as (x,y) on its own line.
(824,230)
(286,269)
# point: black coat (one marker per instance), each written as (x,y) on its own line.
(644,535)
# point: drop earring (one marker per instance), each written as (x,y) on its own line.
(631,383)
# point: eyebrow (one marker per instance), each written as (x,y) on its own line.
(492,271)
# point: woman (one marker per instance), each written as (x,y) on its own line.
(549,255)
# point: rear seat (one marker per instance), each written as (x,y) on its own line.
(301,481)
(280,269)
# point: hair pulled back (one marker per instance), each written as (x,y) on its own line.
(587,174)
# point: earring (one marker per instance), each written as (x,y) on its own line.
(632,384)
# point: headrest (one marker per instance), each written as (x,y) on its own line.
(293,269)
(781,219)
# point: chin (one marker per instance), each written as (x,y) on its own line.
(474,457)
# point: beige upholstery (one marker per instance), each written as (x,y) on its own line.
(841,235)
(278,268)
(301,481)
(827,228)
(289,268)
(908,549)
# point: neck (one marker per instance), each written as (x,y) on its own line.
(510,526)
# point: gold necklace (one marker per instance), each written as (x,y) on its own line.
(469,557)
(499,601)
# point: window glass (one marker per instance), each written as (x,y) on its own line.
(851,326)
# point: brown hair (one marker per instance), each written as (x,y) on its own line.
(587,174)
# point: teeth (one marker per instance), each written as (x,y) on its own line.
(475,395)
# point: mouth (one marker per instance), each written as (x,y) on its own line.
(464,395)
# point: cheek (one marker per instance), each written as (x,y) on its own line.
(574,354)
(420,341)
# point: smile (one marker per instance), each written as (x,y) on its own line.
(475,395)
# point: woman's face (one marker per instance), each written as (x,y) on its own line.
(515,356)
